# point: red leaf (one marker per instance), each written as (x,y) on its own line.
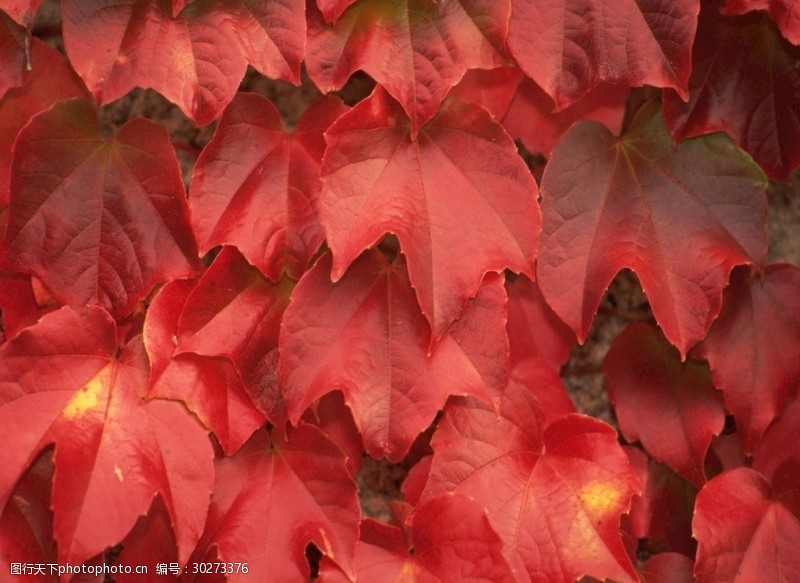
(546,385)
(202,53)
(554,497)
(366,336)
(680,218)
(256,186)
(335,420)
(209,386)
(18,304)
(416,49)
(668,568)
(752,348)
(97,221)
(569,47)
(449,539)
(662,514)
(785,13)
(534,331)
(26,523)
(745,533)
(458,185)
(333,9)
(60,383)
(12,54)
(273,498)
(744,82)
(780,447)
(526,111)
(51,79)
(646,381)
(22,11)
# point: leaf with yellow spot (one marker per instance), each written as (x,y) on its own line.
(554,495)
(62,384)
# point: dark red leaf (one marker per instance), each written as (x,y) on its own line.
(780,447)
(647,381)
(26,523)
(569,47)
(196,59)
(744,532)
(51,79)
(662,514)
(13,62)
(682,219)
(97,221)
(668,568)
(449,539)
(744,82)
(61,383)
(526,111)
(22,11)
(333,9)
(753,348)
(274,497)
(333,417)
(416,49)
(18,303)
(785,13)
(458,197)
(555,496)
(534,331)
(366,336)
(256,186)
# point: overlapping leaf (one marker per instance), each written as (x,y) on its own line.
(97,221)
(196,59)
(569,47)
(785,13)
(274,497)
(744,82)
(416,49)
(526,111)
(753,348)
(668,568)
(210,387)
(682,219)
(366,336)
(458,197)
(12,54)
(449,539)
(22,11)
(746,529)
(555,496)
(333,9)
(61,384)
(646,379)
(256,186)
(51,79)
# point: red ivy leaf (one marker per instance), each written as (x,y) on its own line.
(449,539)
(97,221)
(51,79)
(12,54)
(334,418)
(18,304)
(752,348)
(416,49)
(209,386)
(682,219)
(114,451)
(22,11)
(195,59)
(256,186)
(273,498)
(555,496)
(543,381)
(526,111)
(534,331)
(569,47)
(647,380)
(366,336)
(785,13)
(668,568)
(460,184)
(333,9)
(150,541)
(779,450)
(744,82)
(745,531)
(26,522)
